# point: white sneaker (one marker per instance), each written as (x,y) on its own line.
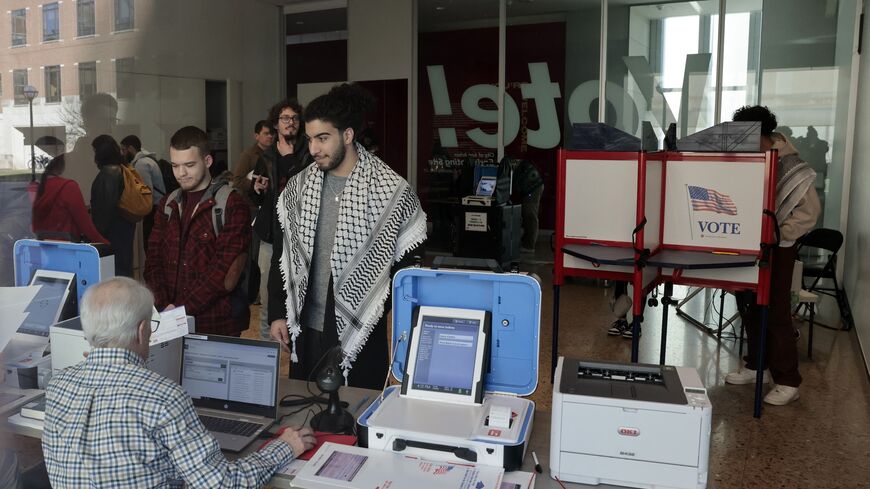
(781,395)
(745,376)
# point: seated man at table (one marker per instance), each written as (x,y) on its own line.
(111,422)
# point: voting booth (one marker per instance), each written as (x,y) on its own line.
(465,349)
(702,219)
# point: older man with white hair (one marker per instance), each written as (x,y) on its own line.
(111,422)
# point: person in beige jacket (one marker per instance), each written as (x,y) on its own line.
(797,210)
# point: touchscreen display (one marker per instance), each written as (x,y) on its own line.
(446,354)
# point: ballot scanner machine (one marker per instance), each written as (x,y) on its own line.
(633,425)
(449,326)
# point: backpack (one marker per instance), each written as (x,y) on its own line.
(239,305)
(135,202)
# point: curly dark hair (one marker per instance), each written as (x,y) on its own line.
(757,113)
(345,106)
(106,151)
(275,111)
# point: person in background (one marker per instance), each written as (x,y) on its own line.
(263,138)
(105,193)
(278,163)
(110,422)
(530,185)
(145,163)
(797,210)
(59,211)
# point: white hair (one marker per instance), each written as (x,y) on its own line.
(112,311)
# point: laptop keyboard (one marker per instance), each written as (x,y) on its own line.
(229,426)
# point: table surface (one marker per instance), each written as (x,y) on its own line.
(358,400)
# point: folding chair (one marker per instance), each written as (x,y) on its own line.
(818,267)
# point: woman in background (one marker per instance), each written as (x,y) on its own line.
(59,211)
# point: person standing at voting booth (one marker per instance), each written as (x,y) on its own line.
(530,185)
(347,222)
(110,422)
(199,244)
(797,209)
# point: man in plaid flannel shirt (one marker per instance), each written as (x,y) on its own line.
(111,422)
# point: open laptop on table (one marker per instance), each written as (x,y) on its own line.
(234,386)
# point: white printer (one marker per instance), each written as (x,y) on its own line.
(633,425)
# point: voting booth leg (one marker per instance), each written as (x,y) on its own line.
(721,313)
(635,338)
(666,301)
(555,353)
(760,365)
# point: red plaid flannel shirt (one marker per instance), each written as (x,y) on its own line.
(194,276)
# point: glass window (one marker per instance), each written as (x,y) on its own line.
(124,77)
(123,15)
(50,22)
(87,78)
(19,27)
(85,18)
(52,84)
(19,81)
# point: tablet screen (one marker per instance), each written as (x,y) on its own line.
(446,354)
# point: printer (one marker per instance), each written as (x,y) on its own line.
(68,345)
(632,425)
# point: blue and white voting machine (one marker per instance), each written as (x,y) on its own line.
(465,349)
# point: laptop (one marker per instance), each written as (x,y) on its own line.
(234,386)
(54,301)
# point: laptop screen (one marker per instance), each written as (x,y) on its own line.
(231,374)
(485,187)
(45,308)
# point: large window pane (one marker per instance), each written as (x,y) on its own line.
(50,22)
(661,67)
(123,15)
(124,80)
(457,114)
(19,27)
(19,81)
(52,84)
(87,78)
(85,18)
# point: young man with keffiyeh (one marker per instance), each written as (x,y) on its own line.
(346,224)
(797,209)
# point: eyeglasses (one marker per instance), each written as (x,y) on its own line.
(287,119)
(155,325)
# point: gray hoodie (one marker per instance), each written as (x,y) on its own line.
(145,164)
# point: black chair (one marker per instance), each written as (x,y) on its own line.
(824,266)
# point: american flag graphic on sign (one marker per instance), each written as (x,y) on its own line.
(707,199)
(443,469)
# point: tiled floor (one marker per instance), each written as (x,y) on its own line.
(820,441)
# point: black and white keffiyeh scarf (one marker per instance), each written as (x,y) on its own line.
(379,221)
(794,177)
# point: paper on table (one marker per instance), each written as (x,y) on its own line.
(292,468)
(339,466)
(170,324)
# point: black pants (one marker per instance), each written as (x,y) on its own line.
(781,354)
(120,235)
(370,368)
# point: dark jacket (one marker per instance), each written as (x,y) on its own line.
(527,179)
(279,169)
(195,268)
(105,193)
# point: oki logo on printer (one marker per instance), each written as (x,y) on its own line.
(628,431)
(494,433)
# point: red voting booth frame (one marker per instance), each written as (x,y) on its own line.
(638,258)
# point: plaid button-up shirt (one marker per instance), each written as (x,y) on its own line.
(110,422)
